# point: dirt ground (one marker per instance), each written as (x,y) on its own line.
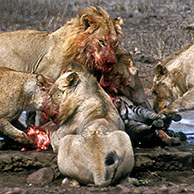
(159,170)
(152,30)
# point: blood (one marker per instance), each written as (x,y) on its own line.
(39,136)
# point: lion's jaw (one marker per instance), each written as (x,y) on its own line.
(105,55)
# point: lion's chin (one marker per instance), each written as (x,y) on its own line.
(104,67)
(103,63)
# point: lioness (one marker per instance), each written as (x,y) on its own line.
(90,140)
(173,84)
(23,91)
(91,38)
(123,80)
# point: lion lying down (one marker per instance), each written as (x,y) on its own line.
(91,143)
(87,132)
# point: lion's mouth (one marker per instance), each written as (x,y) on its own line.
(104,62)
(104,65)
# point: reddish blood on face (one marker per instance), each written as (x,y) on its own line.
(105,57)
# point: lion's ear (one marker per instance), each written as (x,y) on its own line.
(73,79)
(69,81)
(43,82)
(86,20)
(160,70)
(117,23)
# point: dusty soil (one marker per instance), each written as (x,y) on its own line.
(159,170)
(152,30)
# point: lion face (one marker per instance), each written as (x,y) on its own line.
(121,76)
(57,93)
(95,40)
(164,89)
(162,96)
(98,51)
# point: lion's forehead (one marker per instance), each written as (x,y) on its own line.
(107,29)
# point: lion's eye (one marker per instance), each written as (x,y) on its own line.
(116,43)
(102,43)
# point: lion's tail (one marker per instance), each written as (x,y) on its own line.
(111,163)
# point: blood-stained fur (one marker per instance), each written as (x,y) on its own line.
(123,80)
(23,91)
(86,129)
(173,84)
(91,39)
(91,143)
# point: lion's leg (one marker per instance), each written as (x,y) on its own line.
(19,136)
(185,102)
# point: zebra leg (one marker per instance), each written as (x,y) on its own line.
(166,139)
(137,131)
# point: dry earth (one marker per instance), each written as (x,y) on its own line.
(152,29)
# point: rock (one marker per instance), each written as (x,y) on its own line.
(70,182)
(163,159)
(41,177)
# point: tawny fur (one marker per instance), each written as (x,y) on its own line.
(123,80)
(173,84)
(81,39)
(23,91)
(91,143)
(91,39)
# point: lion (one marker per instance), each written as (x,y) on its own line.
(173,84)
(90,39)
(84,122)
(91,144)
(123,80)
(24,91)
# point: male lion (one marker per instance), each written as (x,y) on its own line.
(173,84)
(91,39)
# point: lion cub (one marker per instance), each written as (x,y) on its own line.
(24,91)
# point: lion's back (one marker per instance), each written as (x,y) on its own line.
(12,90)
(19,49)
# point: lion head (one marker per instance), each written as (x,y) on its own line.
(121,75)
(93,39)
(164,88)
(123,80)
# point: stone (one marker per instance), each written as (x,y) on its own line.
(41,177)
